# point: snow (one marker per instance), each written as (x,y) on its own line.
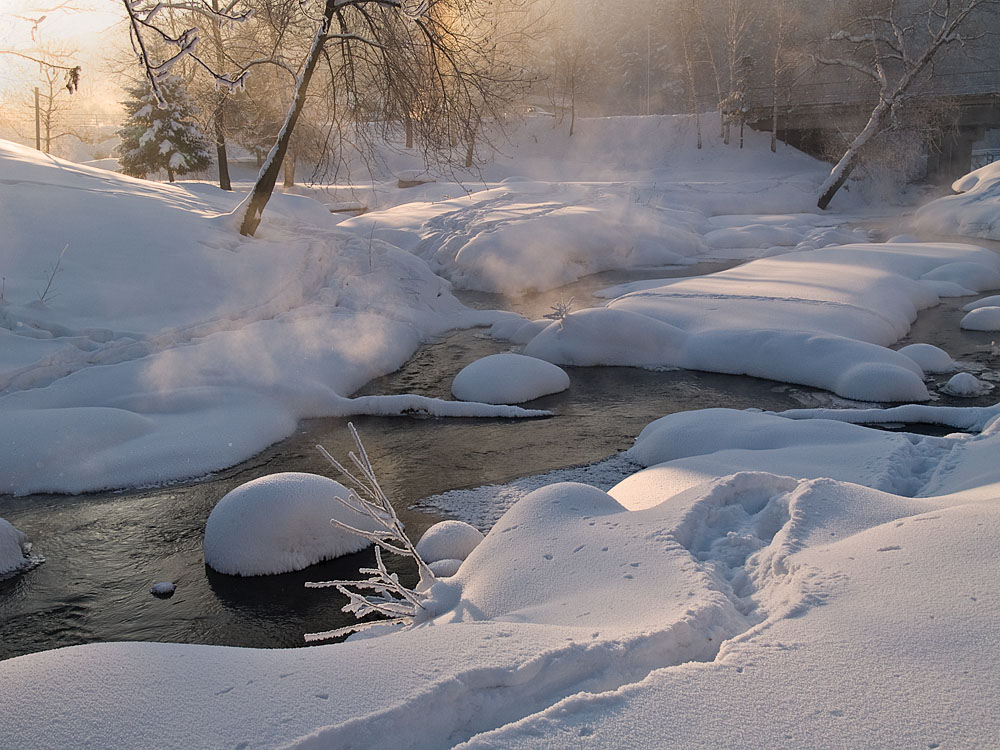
(448,540)
(821,318)
(735,579)
(170,346)
(991,301)
(929,358)
(974,212)
(508,379)
(280,523)
(982,319)
(13,549)
(966,385)
(772,551)
(163,589)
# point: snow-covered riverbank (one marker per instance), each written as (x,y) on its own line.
(767,580)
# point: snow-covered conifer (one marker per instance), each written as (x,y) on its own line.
(156,138)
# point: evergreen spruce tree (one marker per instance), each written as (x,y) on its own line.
(155,139)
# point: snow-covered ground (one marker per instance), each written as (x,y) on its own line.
(792,580)
(776,582)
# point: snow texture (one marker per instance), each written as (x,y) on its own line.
(985,318)
(929,358)
(448,540)
(974,212)
(966,385)
(762,552)
(820,318)
(280,523)
(13,549)
(508,379)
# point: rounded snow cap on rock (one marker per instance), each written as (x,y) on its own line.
(508,379)
(985,318)
(929,357)
(280,523)
(448,540)
(13,547)
(967,385)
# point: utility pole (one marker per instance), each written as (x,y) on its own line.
(38,122)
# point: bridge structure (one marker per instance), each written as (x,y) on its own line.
(821,112)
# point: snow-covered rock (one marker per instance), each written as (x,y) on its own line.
(13,548)
(508,379)
(991,301)
(975,212)
(982,319)
(163,589)
(931,359)
(448,540)
(280,523)
(966,385)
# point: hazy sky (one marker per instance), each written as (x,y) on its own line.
(84,26)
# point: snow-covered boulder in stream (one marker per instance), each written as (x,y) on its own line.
(280,523)
(982,319)
(508,379)
(448,540)
(13,549)
(929,358)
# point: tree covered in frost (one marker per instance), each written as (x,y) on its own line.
(161,138)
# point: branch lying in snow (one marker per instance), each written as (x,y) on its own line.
(388,596)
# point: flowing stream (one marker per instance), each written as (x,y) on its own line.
(103,551)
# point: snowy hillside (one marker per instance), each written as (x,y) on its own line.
(159,344)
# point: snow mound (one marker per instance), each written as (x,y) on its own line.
(280,523)
(508,379)
(974,276)
(163,589)
(982,319)
(992,301)
(13,549)
(973,213)
(774,318)
(448,540)
(966,385)
(929,358)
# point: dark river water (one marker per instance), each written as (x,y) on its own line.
(103,552)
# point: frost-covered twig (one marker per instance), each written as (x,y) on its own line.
(386,596)
(560,310)
(52,275)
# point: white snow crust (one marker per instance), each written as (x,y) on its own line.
(169,346)
(448,540)
(930,358)
(974,212)
(508,379)
(759,553)
(986,318)
(821,318)
(279,523)
(739,579)
(13,549)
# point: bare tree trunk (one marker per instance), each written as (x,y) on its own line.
(289,165)
(470,150)
(262,189)
(222,158)
(572,107)
(715,68)
(170,174)
(844,167)
(409,132)
(220,110)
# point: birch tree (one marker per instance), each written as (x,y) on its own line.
(894,44)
